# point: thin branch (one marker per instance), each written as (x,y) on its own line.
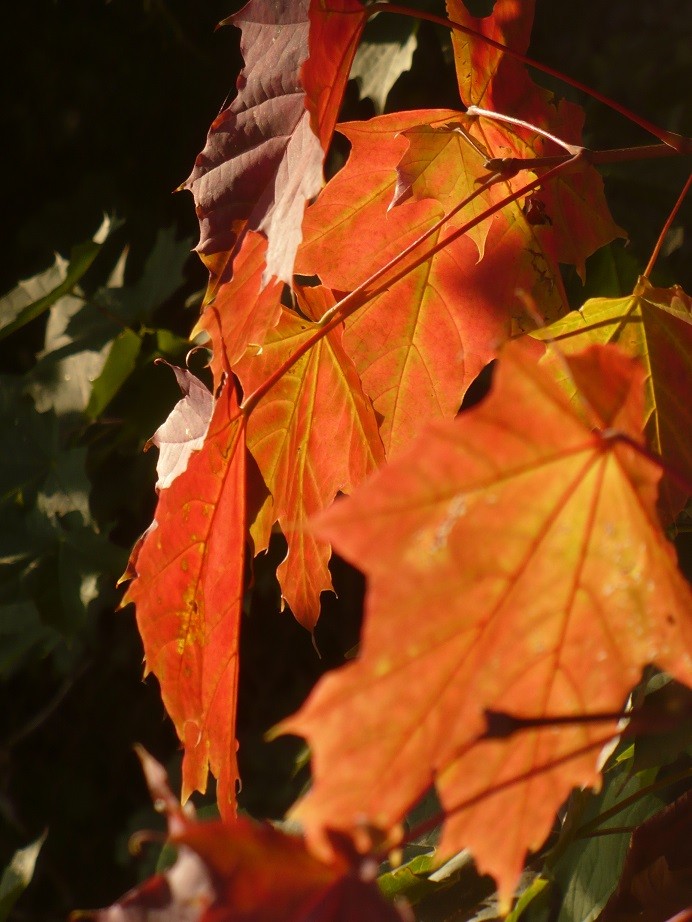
(572,149)
(433,822)
(44,713)
(510,166)
(358,297)
(666,227)
(678,143)
(616,435)
(364,293)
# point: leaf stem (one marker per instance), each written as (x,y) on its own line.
(612,831)
(616,435)
(572,149)
(501,724)
(677,142)
(433,822)
(666,227)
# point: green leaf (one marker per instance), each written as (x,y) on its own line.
(119,365)
(78,338)
(534,896)
(588,869)
(17,875)
(384,54)
(409,880)
(90,349)
(22,636)
(169,345)
(666,701)
(162,276)
(52,554)
(31,441)
(35,296)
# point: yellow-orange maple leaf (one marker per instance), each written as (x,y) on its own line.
(655,325)
(514,562)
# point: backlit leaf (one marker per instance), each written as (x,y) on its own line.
(419,345)
(469,608)
(577,218)
(313,435)
(335,29)
(246,871)
(242,311)
(188,571)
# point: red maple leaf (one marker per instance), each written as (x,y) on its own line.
(242,310)
(420,344)
(245,871)
(579,222)
(187,575)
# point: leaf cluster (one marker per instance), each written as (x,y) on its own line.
(521,580)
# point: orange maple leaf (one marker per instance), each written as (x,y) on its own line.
(553,610)
(188,572)
(314,434)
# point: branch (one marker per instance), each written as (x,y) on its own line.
(666,227)
(677,142)
(433,822)
(365,293)
(616,435)
(587,830)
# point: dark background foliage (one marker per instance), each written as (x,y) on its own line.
(105,105)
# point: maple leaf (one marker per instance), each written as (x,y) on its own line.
(487,76)
(420,344)
(578,221)
(188,588)
(655,325)
(245,870)
(313,435)
(262,160)
(553,610)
